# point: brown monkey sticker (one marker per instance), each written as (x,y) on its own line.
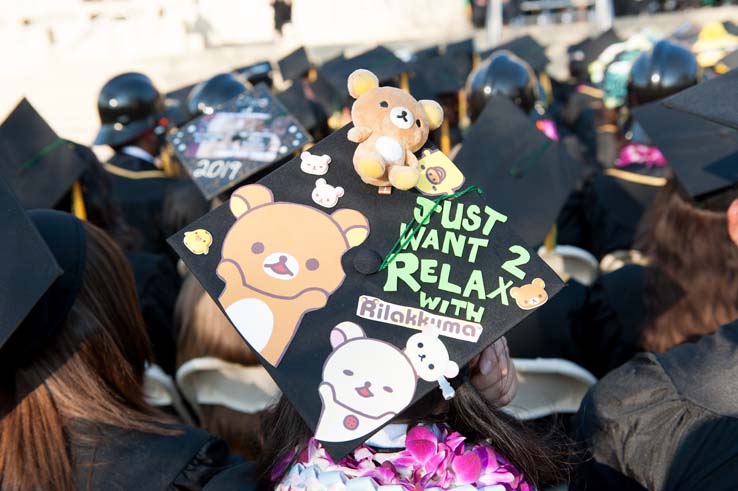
(279,261)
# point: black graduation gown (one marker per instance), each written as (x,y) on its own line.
(665,421)
(138,190)
(605,215)
(126,460)
(157,286)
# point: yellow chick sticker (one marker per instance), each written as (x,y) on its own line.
(198,241)
(438,174)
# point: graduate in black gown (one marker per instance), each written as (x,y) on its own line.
(665,421)
(72,353)
(603,218)
(133,124)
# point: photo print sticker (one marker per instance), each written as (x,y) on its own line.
(438,174)
(242,137)
(402,269)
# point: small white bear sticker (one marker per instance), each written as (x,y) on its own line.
(326,195)
(431,361)
(316,165)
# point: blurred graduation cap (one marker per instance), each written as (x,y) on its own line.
(176,102)
(702,154)
(244,136)
(39,166)
(28,271)
(589,49)
(380,61)
(425,53)
(529,175)
(295,65)
(258,73)
(305,110)
(524,47)
(314,271)
(464,56)
(715,100)
(434,77)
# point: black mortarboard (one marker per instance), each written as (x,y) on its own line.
(295,65)
(528,176)
(440,75)
(462,55)
(28,270)
(297,104)
(526,48)
(588,50)
(258,73)
(242,137)
(380,61)
(715,100)
(702,154)
(313,272)
(40,166)
(425,53)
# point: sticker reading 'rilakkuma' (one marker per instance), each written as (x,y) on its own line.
(438,174)
(367,382)
(279,261)
(198,241)
(531,296)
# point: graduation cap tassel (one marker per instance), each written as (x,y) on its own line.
(412,228)
(312,74)
(445,138)
(550,241)
(463,119)
(43,153)
(404,82)
(78,202)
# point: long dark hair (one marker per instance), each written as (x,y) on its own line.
(692,287)
(91,370)
(542,458)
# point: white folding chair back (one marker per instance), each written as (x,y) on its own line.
(160,391)
(571,262)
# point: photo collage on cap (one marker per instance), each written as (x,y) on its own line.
(358,297)
(239,139)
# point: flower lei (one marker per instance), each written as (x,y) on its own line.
(435,459)
(637,153)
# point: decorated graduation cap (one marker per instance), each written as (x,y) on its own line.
(240,138)
(360,303)
(39,166)
(702,154)
(40,280)
(295,65)
(588,50)
(527,175)
(715,100)
(524,47)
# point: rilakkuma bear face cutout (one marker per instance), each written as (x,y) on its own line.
(431,360)
(366,383)
(532,296)
(389,126)
(279,261)
(316,165)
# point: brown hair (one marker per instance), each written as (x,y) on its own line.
(205,331)
(692,287)
(91,370)
(544,459)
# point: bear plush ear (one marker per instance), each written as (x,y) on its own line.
(345,331)
(539,283)
(434,113)
(361,81)
(452,370)
(355,226)
(249,197)
(515,292)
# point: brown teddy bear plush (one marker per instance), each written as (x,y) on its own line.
(389,125)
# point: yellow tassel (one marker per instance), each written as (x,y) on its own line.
(463,118)
(445,138)
(78,202)
(547,89)
(721,68)
(550,241)
(476,60)
(312,74)
(404,82)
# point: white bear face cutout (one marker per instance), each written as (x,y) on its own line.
(370,376)
(316,165)
(430,357)
(326,195)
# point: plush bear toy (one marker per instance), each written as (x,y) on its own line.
(389,125)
